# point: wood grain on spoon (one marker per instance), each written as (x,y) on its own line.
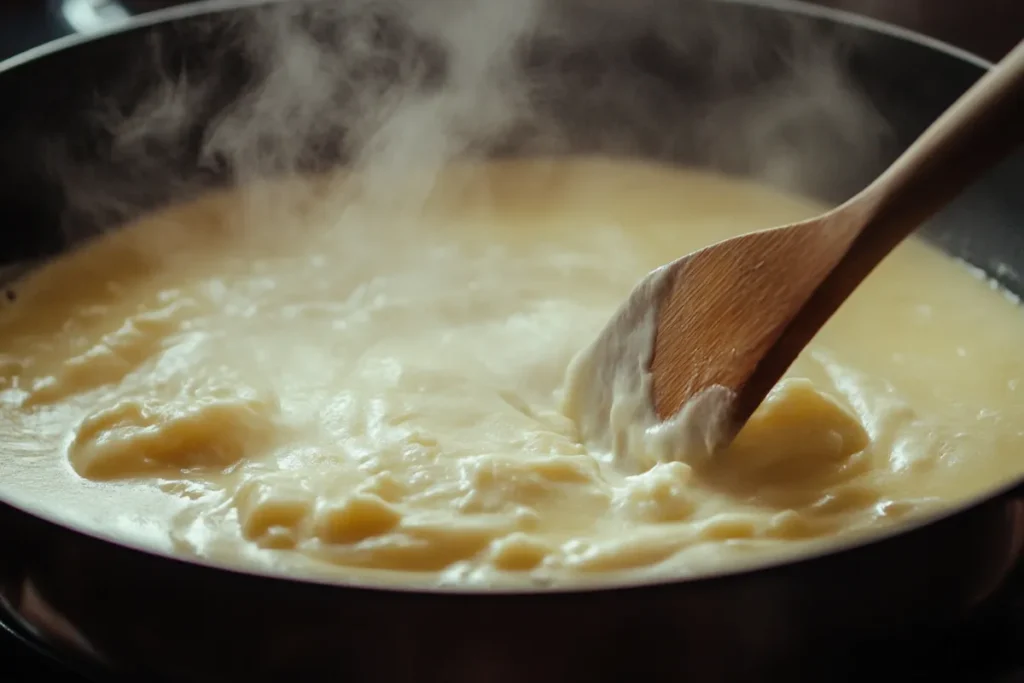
(737,313)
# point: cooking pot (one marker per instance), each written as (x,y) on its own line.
(662,80)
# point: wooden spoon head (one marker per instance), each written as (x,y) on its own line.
(699,343)
(724,314)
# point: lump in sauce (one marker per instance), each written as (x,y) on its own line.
(292,378)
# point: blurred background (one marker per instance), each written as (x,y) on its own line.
(988,28)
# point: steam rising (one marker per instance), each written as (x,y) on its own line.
(397,89)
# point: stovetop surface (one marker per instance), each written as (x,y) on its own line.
(987,649)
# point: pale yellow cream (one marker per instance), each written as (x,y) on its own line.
(309,378)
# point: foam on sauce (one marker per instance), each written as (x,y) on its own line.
(292,378)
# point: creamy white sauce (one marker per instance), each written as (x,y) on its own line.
(294,378)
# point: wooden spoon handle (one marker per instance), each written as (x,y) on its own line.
(982,128)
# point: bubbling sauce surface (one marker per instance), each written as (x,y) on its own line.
(308,378)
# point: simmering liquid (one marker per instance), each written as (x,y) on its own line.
(314,378)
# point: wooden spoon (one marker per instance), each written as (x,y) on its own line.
(730,319)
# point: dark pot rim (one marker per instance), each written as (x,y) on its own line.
(201,7)
(1011,488)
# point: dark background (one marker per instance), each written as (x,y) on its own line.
(989,28)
